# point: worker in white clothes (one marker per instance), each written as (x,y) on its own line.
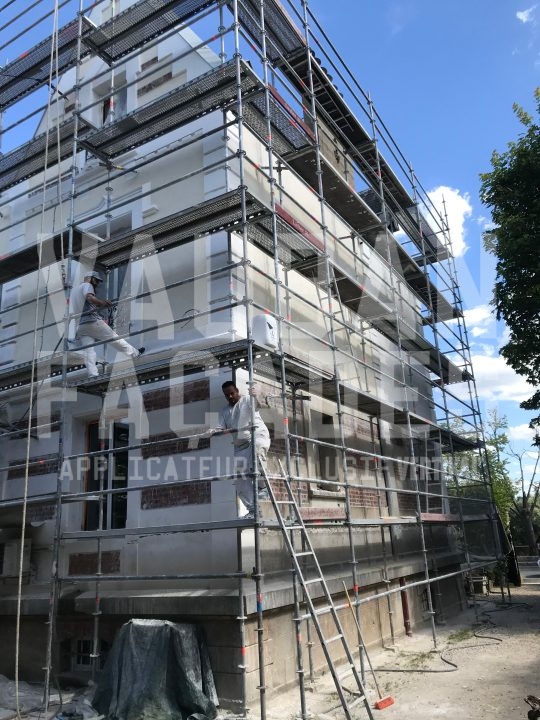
(85,307)
(237,414)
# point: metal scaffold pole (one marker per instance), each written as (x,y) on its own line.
(257,570)
(278,314)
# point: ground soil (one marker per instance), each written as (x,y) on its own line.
(487,660)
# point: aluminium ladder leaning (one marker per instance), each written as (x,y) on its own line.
(294,529)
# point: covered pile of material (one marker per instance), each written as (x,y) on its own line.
(157,669)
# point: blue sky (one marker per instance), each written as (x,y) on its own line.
(444,76)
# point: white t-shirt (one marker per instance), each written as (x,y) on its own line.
(83,310)
(237,416)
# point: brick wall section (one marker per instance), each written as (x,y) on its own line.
(407,503)
(43,465)
(322,513)
(38,513)
(186,493)
(86,563)
(169,444)
(365,497)
(53,418)
(180,394)
(278,446)
(360,426)
(278,486)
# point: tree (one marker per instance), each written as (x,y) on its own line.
(467,472)
(516,492)
(512,192)
(501,482)
(525,507)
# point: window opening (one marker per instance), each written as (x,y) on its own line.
(107,473)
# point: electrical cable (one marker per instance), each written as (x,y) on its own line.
(495,641)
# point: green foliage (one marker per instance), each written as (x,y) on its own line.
(512,192)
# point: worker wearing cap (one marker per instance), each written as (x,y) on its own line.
(85,308)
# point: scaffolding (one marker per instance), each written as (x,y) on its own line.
(212,159)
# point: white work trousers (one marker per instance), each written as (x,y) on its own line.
(244,474)
(99,330)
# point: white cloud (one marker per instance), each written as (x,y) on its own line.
(496,381)
(527,16)
(521,432)
(481,323)
(456,207)
(479,320)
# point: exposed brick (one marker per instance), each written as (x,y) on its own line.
(280,491)
(366,497)
(87,563)
(407,502)
(180,394)
(169,444)
(38,513)
(186,493)
(53,418)
(154,84)
(43,465)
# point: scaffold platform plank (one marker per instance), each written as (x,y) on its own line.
(32,69)
(282,36)
(27,160)
(220,213)
(46,251)
(339,194)
(289,132)
(115,38)
(140,23)
(214,90)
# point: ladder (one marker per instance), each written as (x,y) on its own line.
(294,531)
(342,328)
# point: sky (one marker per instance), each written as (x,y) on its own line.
(444,77)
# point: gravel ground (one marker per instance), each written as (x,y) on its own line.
(485,664)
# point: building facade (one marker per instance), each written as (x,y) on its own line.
(238,201)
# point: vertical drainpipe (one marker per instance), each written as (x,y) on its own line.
(405,607)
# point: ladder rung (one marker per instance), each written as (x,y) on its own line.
(346,673)
(293,527)
(312,581)
(304,553)
(333,639)
(284,502)
(323,610)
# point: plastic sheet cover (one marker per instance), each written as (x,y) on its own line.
(157,669)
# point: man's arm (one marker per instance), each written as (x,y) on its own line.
(97,301)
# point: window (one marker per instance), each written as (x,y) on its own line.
(114,106)
(327,457)
(111,101)
(107,472)
(82,653)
